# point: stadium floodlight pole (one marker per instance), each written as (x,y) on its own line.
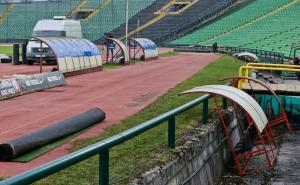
(126,26)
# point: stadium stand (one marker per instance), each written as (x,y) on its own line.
(92,3)
(4,11)
(268,25)
(109,14)
(111,17)
(170,23)
(20,22)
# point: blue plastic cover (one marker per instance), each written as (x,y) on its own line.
(71,47)
(147,44)
(149,47)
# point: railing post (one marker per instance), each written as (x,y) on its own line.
(205,112)
(171,132)
(104,168)
(224,103)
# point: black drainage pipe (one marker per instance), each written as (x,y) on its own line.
(42,137)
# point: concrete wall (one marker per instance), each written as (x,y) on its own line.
(200,160)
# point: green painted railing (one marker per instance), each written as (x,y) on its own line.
(102,148)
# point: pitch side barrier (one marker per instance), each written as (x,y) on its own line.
(24,84)
(102,148)
(268,56)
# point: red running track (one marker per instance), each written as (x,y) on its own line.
(7,70)
(119,92)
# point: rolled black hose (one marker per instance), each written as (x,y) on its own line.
(42,137)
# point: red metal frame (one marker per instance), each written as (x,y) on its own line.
(281,119)
(264,146)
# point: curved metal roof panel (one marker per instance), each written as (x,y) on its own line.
(239,97)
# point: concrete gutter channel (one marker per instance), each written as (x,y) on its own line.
(285,171)
(287,168)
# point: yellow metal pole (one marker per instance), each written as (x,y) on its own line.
(240,83)
(273,65)
(271,68)
(246,68)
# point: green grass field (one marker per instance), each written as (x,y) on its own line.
(107,67)
(169,54)
(8,50)
(145,151)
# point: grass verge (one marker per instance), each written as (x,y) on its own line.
(8,50)
(110,66)
(168,54)
(147,150)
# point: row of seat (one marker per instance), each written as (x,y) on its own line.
(268,25)
(111,17)
(167,25)
(3,8)
(245,15)
(282,32)
(21,21)
(92,3)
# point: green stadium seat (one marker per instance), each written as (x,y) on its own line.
(276,32)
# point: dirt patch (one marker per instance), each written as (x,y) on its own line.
(140,99)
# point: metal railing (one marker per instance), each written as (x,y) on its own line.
(269,56)
(102,148)
(263,55)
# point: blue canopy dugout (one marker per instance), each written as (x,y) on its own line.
(73,54)
(143,49)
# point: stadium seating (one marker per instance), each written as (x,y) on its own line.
(21,21)
(3,8)
(4,11)
(170,23)
(268,25)
(92,3)
(111,17)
